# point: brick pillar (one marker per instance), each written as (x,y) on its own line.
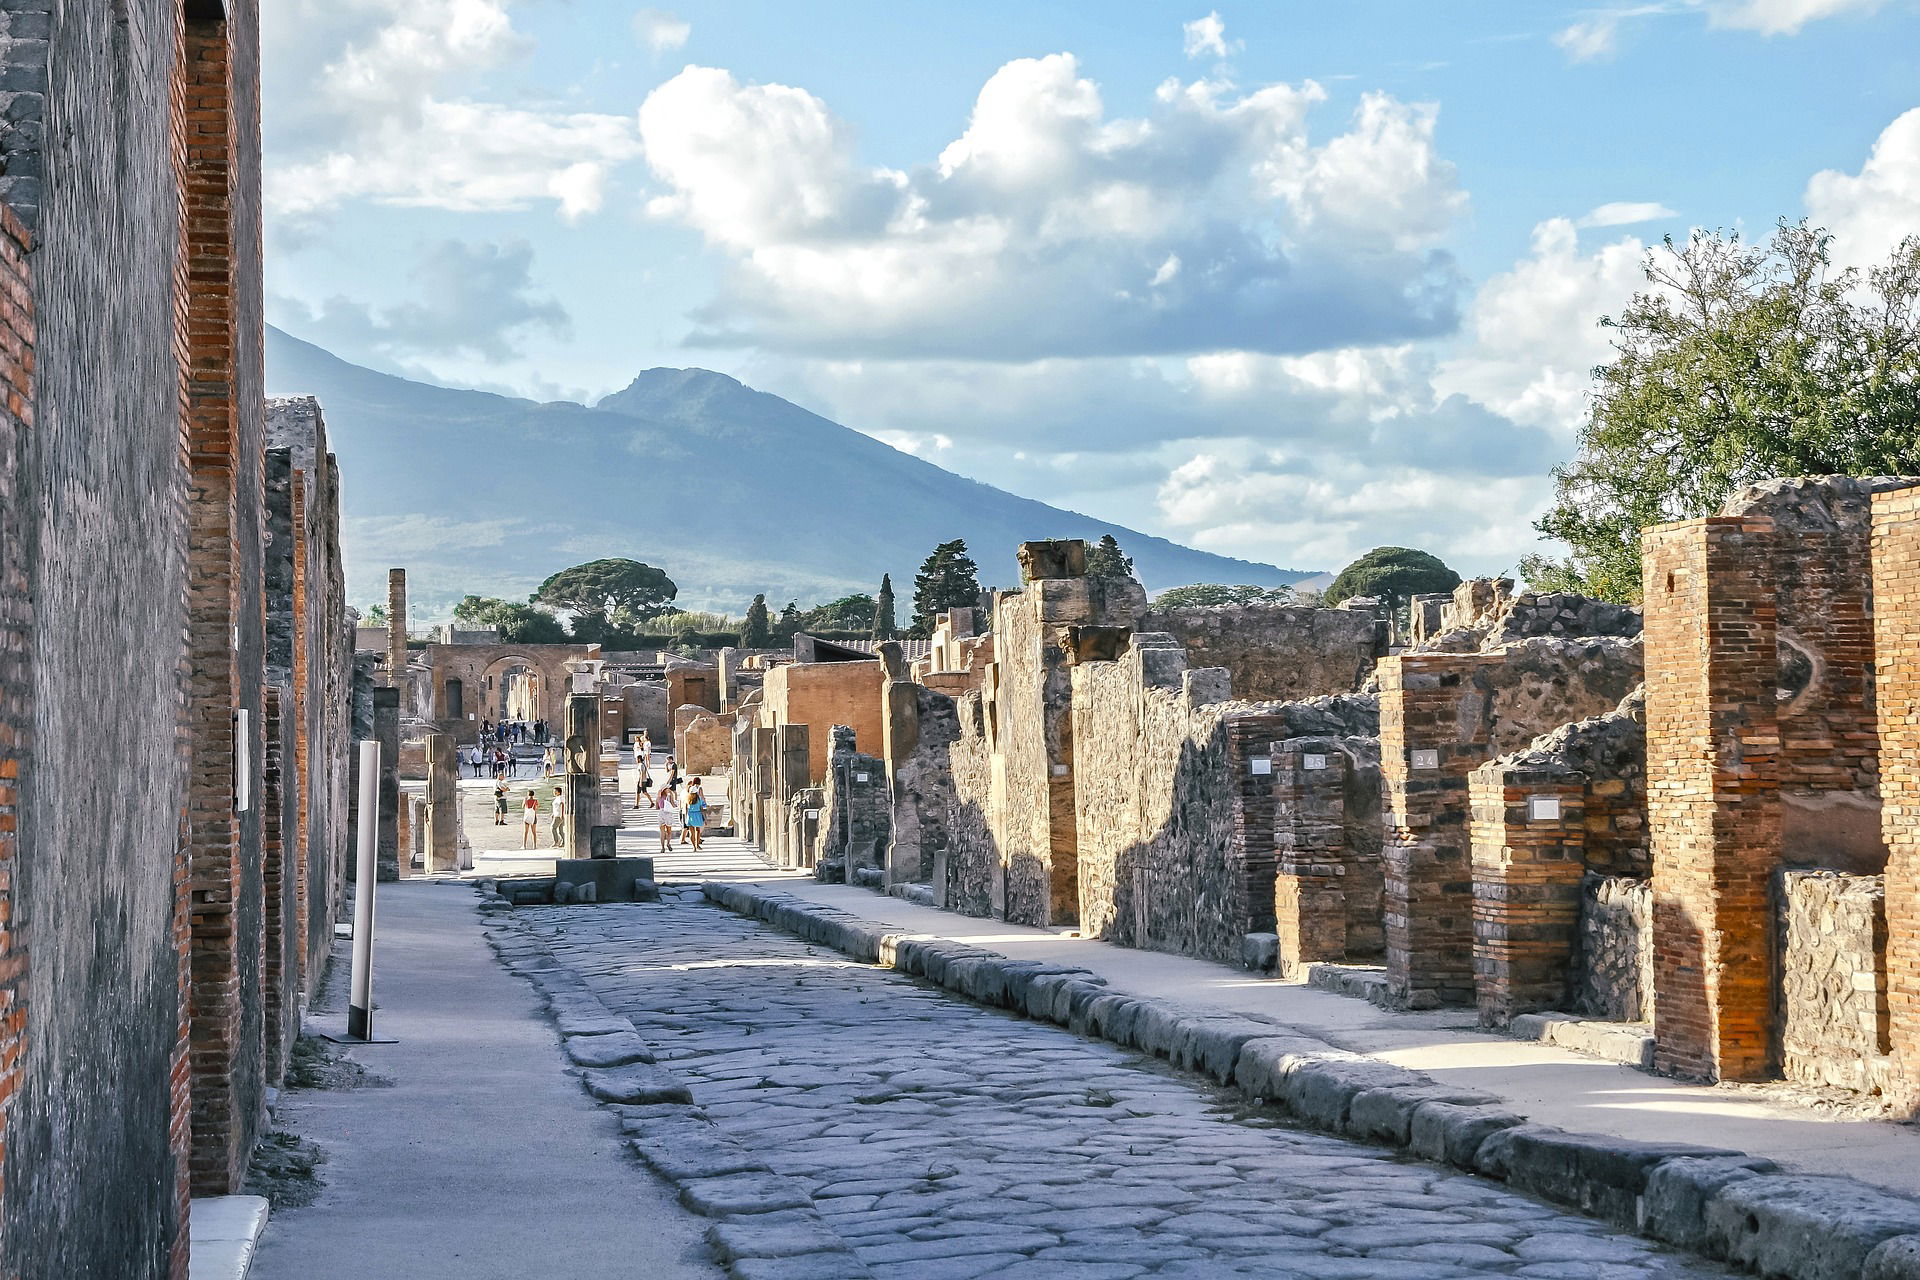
(1249,742)
(1310,838)
(386,728)
(396,676)
(1896,622)
(443,798)
(583,774)
(1426,854)
(1529,838)
(1713,741)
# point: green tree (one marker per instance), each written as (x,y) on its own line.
(884,626)
(607,594)
(1741,363)
(788,624)
(375,615)
(947,580)
(1105,559)
(848,613)
(757,633)
(1208,593)
(518,623)
(1392,575)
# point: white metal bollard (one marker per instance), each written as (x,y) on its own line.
(360,1001)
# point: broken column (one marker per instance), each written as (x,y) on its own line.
(443,803)
(396,628)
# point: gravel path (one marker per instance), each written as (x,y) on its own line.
(944,1141)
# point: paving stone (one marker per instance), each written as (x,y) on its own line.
(617,1049)
(750,1238)
(636,1083)
(742,1193)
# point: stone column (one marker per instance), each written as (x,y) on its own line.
(790,776)
(386,729)
(765,818)
(1713,807)
(396,628)
(1896,624)
(1529,837)
(443,801)
(1310,838)
(583,773)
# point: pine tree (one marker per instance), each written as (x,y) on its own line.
(948,580)
(789,624)
(1105,560)
(758,631)
(884,627)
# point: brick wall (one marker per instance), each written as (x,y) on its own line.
(821,695)
(1327,875)
(1528,833)
(1712,799)
(1896,594)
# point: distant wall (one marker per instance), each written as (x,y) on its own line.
(1273,651)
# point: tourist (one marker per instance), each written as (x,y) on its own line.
(552,757)
(530,822)
(499,801)
(559,814)
(669,807)
(696,813)
(673,772)
(499,762)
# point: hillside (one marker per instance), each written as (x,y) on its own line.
(731,490)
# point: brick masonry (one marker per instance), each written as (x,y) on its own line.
(1896,592)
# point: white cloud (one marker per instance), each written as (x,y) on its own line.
(379,108)
(1590,39)
(660,30)
(1216,221)
(1207,36)
(1872,211)
(1782,17)
(1625,213)
(1533,331)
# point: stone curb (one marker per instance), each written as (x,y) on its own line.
(1724,1204)
(764,1226)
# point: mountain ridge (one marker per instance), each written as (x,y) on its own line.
(730,489)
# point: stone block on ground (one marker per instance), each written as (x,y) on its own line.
(1807,1226)
(1453,1134)
(750,1239)
(685,1156)
(636,1083)
(1674,1205)
(1597,1174)
(743,1193)
(617,1049)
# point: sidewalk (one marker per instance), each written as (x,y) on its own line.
(1548,1084)
(484,1160)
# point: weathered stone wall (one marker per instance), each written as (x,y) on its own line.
(856,818)
(968,872)
(1833,980)
(705,744)
(1328,882)
(1614,976)
(646,708)
(1486,613)
(1274,651)
(821,695)
(921,728)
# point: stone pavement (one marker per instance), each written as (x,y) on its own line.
(1550,1085)
(945,1141)
(475,1156)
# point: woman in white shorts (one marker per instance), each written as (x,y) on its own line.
(669,806)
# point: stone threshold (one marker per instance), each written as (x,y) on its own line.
(222,1234)
(1717,1202)
(764,1226)
(1628,1043)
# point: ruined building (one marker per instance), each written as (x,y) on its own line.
(173,644)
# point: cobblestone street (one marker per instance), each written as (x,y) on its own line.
(945,1141)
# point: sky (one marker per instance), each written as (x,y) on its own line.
(1283,280)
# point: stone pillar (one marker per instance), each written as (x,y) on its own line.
(1529,829)
(790,777)
(1310,838)
(397,628)
(443,802)
(1713,741)
(386,729)
(1896,624)
(583,773)
(403,838)
(765,820)
(1426,854)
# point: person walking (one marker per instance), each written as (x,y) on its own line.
(530,822)
(499,804)
(559,815)
(696,813)
(668,805)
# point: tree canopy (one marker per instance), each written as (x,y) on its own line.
(1392,575)
(848,613)
(1211,593)
(1106,560)
(757,632)
(1741,362)
(947,580)
(884,625)
(608,594)
(518,623)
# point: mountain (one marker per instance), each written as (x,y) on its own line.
(730,490)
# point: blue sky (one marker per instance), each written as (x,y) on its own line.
(1282,280)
